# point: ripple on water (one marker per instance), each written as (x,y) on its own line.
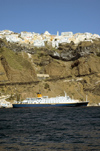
(42,129)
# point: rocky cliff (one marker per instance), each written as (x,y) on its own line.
(75,69)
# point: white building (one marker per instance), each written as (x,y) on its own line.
(69,34)
(13,38)
(39,43)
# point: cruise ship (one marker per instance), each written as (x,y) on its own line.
(59,101)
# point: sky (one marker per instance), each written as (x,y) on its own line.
(38,16)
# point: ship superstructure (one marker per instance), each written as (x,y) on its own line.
(60,101)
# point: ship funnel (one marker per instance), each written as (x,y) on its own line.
(39,95)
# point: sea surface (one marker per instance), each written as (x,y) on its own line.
(50,129)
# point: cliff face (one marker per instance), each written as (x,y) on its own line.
(15,67)
(71,68)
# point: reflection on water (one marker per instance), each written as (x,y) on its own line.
(50,129)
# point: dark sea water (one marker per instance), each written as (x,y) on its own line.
(50,129)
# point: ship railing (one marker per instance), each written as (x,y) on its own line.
(45,97)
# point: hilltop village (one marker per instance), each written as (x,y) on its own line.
(41,40)
(51,64)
